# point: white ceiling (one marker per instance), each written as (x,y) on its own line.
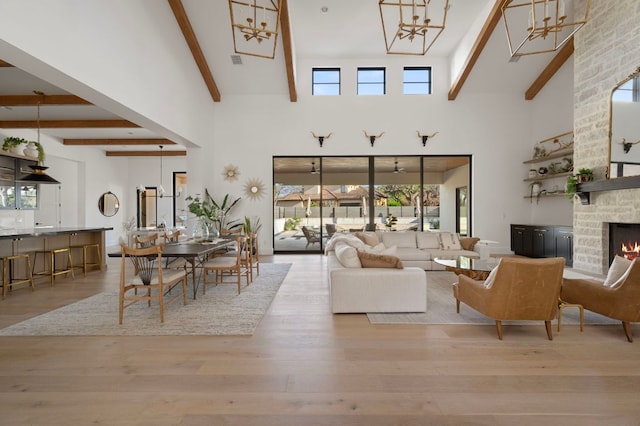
(349,29)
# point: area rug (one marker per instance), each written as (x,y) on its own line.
(441,309)
(221,311)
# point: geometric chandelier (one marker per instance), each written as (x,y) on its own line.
(540,26)
(254,24)
(410,27)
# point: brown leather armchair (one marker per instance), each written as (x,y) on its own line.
(621,303)
(520,289)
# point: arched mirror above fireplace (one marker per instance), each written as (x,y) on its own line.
(624,153)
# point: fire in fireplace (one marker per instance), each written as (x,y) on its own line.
(624,240)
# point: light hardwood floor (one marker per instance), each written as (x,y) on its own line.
(305,366)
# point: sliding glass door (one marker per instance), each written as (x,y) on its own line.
(315,197)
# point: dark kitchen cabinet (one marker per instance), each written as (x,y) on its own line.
(543,241)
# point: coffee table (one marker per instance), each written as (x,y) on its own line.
(477,269)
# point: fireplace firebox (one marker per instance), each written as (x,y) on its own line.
(624,240)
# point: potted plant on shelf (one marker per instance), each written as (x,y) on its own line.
(571,187)
(20,146)
(585,175)
(14,145)
(34,150)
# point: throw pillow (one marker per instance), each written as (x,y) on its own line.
(347,255)
(369,238)
(492,276)
(450,241)
(370,260)
(428,240)
(468,243)
(617,271)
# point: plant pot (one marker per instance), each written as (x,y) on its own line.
(17,150)
(31,151)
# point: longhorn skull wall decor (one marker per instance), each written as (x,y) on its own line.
(372,138)
(425,138)
(627,145)
(321,138)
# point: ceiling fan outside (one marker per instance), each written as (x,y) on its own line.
(397,169)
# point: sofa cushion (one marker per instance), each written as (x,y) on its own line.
(468,243)
(428,240)
(347,255)
(369,238)
(450,241)
(371,260)
(617,272)
(381,249)
(399,238)
(412,254)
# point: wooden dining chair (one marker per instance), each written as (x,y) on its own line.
(232,265)
(141,269)
(255,255)
(143,241)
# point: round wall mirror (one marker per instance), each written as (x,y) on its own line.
(108,204)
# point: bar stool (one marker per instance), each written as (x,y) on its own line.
(8,268)
(50,256)
(86,265)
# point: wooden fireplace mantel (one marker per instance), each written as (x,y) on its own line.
(584,190)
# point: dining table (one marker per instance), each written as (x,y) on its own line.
(196,253)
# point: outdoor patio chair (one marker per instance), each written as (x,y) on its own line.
(311,236)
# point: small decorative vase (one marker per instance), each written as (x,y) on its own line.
(214,233)
(31,151)
(535,189)
(200,230)
(18,149)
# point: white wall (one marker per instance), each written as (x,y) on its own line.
(496,129)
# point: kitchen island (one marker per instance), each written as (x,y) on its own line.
(30,240)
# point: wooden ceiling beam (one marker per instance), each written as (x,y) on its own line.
(113,142)
(4,64)
(145,153)
(67,124)
(33,100)
(487,29)
(556,63)
(285,31)
(190,37)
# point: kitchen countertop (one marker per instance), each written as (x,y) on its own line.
(44,231)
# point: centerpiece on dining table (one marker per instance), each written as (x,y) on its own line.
(212,218)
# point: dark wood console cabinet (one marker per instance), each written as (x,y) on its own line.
(543,241)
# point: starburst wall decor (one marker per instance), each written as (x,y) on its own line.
(254,189)
(230,173)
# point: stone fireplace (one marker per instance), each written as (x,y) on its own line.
(603,57)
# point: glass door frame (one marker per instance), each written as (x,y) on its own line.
(370,224)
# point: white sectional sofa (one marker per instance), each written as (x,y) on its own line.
(357,289)
(361,290)
(422,248)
